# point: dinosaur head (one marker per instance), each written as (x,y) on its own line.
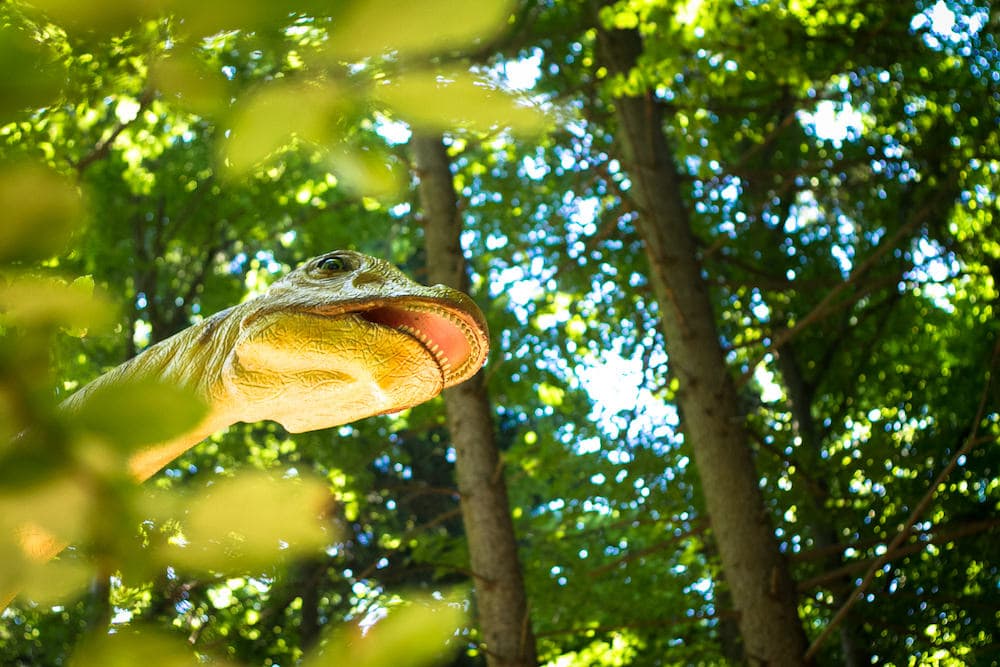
(346,336)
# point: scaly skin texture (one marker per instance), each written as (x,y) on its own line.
(343,337)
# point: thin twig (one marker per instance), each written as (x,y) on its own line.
(830,576)
(102,149)
(631,555)
(438,520)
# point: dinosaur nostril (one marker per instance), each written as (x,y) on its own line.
(367,278)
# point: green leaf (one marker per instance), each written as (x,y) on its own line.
(414,28)
(40,211)
(138,412)
(130,646)
(187,82)
(411,635)
(41,302)
(251,521)
(29,80)
(446,100)
(276,114)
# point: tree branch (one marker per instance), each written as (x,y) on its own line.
(102,149)
(907,528)
(829,303)
(962,530)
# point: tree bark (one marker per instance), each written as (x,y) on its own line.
(504,622)
(758,576)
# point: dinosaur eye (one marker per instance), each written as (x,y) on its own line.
(332,264)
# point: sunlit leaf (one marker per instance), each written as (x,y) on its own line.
(42,302)
(186,81)
(410,635)
(129,647)
(55,582)
(40,211)
(35,524)
(457,99)
(138,412)
(411,28)
(550,394)
(205,18)
(101,15)
(366,172)
(84,287)
(277,113)
(250,522)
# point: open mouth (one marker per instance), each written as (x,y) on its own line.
(447,335)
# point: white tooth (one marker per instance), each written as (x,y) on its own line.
(433,347)
(426,340)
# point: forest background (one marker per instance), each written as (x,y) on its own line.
(740,263)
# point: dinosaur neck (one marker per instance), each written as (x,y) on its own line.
(191,359)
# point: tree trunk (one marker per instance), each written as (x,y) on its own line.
(501,600)
(762,589)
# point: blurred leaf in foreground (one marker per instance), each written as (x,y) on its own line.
(55,582)
(415,28)
(277,113)
(40,210)
(366,171)
(206,18)
(411,635)
(187,82)
(35,524)
(107,16)
(131,646)
(46,302)
(138,412)
(249,522)
(29,80)
(445,100)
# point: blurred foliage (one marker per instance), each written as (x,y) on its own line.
(162,163)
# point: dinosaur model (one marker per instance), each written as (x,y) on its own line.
(342,337)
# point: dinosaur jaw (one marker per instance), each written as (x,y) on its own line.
(308,371)
(451,336)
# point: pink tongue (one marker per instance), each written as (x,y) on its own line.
(442,331)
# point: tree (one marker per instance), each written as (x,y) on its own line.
(502,603)
(757,576)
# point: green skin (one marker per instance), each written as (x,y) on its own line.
(342,337)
